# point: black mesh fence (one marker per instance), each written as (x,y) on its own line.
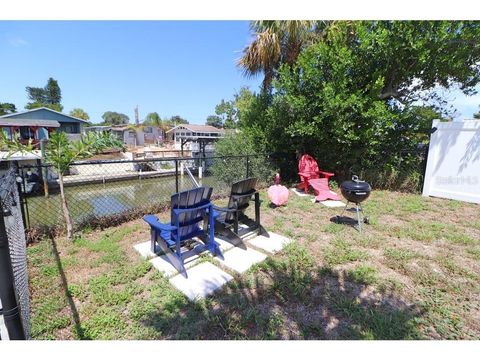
(99,191)
(115,188)
(12,228)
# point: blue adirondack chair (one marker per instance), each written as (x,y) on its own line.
(188,209)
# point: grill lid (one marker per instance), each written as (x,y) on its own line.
(355,185)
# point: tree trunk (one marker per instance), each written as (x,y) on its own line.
(66,212)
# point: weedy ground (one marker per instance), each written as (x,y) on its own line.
(413,273)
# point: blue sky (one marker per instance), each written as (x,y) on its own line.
(172,67)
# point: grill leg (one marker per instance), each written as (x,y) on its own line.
(345,208)
(359,209)
(366,220)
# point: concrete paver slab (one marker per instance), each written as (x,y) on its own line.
(333,203)
(144,250)
(203,279)
(241,260)
(271,243)
(299,192)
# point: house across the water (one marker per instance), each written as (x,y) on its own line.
(38,123)
(197,138)
(138,135)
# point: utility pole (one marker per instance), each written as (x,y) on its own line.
(137,120)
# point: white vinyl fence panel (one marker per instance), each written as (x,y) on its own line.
(453,165)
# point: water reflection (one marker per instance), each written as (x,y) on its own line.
(111,198)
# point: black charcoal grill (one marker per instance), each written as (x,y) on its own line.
(356,191)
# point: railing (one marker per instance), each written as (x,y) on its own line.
(192,177)
(161,153)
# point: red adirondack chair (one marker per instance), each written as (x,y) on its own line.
(308,169)
(322,190)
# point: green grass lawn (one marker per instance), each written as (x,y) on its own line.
(412,274)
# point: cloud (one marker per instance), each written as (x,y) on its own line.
(16,41)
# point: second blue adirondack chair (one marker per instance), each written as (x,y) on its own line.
(188,209)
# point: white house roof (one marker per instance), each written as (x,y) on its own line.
(198,128)
(97,127)
(41,108)
(122,128)
(33,155)
(29,122)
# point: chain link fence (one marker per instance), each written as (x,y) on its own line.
(13,261)
(107,193)
(107,190)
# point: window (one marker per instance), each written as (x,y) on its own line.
(42,133)
(148,129)
(8,132)
(4,165)
(26,133)
(69,128)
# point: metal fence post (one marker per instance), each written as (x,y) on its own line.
(425,160)
(21,196)
(44,169)
(23,203)
(248,167)
(10,309)
(176,175)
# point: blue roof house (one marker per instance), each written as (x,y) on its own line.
(36,124)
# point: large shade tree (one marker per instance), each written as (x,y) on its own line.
(114,118)
(7,108)
(411,59)
(49,96)
(214,120)
(174,121)
(367,89)
(80,114)
(229,113)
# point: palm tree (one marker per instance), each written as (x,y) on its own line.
(61,153)
(153,119)
(277,42)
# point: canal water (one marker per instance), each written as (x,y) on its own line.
(85,201)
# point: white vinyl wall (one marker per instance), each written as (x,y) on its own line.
(453,165)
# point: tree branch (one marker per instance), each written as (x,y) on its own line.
(389,94)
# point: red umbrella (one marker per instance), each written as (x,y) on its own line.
(278,194)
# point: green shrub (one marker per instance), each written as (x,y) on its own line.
(234,169)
